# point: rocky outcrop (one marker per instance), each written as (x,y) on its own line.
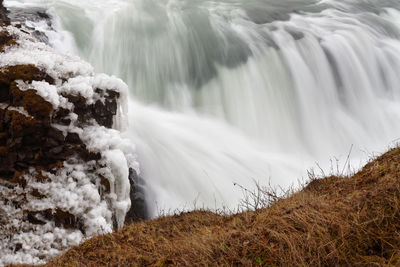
(29,140)
(65,173)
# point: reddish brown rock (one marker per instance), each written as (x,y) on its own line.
(27,73)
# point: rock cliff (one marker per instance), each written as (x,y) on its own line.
(66,173)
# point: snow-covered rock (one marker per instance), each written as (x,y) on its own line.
(65,171)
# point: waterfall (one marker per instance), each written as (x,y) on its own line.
(238,91)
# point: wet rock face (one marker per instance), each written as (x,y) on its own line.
(3,14)
(138,210)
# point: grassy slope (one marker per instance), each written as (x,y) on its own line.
(332,221)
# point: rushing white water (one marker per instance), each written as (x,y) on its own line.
(242,90)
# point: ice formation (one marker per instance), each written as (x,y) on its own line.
(77,187)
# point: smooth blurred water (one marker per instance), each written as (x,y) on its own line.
(242,90)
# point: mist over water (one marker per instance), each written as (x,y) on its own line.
(233,91)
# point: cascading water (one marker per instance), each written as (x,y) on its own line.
(241,90)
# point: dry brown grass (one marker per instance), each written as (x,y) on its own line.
(332,222)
